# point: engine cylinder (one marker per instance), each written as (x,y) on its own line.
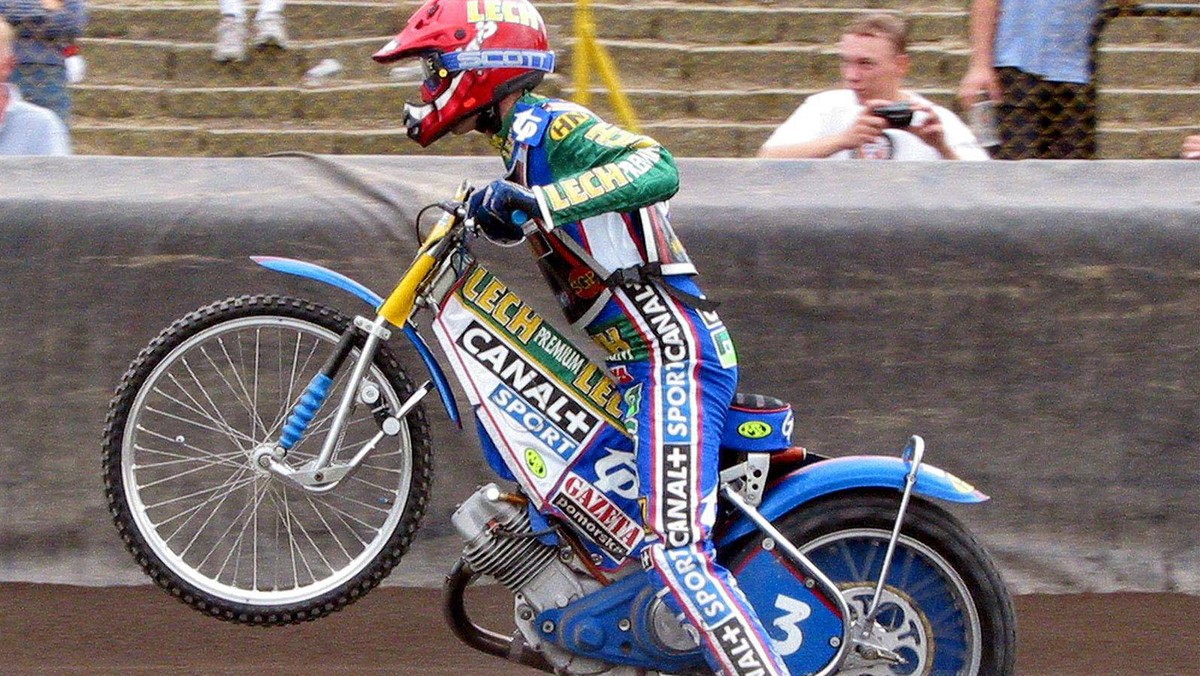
(499,539)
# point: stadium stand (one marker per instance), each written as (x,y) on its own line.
(706,78)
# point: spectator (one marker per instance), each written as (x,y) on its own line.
(840,124)
(25,129)
(1034,59)
(1191,148)
(44,28)
(269,30)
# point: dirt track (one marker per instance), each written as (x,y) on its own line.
(399,630)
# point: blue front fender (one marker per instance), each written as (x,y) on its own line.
(852,472)
(325,275)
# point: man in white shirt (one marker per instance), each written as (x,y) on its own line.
(840,124)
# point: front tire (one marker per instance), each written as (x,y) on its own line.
(212,527)
(945,608)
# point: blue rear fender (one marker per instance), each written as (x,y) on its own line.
(336,279)
(835,475)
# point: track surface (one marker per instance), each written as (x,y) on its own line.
(52,628)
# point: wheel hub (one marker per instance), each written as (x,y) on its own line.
(262,456)
(898,641)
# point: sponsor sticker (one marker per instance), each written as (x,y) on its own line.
(529,125)
(788,424)
(488,297)
(616,472)
(601,180)
(598,517)
(726,353)
(633,404)
(754,429)
(533,401)
(566,123)
(676,420)
(504,11)
(960,485)
(536,464)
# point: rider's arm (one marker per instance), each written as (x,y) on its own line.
(981,72)
(600,168)
(816,130)
(815,149)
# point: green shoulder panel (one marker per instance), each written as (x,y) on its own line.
(600,168)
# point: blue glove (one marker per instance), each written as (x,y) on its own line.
(500,209)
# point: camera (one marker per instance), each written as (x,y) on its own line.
(898,115)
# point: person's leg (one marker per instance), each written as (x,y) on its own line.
(269,28)
(1074,135)
(269,7)
(1017,116)
(234,9)
(231,32)
(675,407)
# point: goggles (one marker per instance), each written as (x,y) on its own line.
(437,67)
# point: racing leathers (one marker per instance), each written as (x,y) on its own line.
(608,251)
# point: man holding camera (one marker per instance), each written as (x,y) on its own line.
(873,118)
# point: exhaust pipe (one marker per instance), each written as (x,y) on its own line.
(484,640)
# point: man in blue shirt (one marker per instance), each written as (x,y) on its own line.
(25,129)
(43,29)
(1033,58)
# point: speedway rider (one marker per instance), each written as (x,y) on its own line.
(609,253)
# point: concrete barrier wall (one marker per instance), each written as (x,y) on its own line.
(1038,323)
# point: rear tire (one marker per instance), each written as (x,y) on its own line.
(945,608)
(211,527)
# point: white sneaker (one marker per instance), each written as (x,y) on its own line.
(270,31)
(231,40)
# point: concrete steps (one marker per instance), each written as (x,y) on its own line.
(238,137)
(639,62)
(667,22)
(706,77)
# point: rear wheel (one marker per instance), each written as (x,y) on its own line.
(209,524)
(944,608)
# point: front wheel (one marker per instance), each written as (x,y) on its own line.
(944,608)
(212,526)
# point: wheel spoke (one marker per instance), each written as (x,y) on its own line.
(292,397)
(328,528)
(237,543)
(243,398)
(219,416)
(221,427)
(304,531)
(208,520)
(355,478)
(211,459)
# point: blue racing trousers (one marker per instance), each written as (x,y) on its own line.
(677,371)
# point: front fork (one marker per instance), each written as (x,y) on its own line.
(859,633)
(321,474)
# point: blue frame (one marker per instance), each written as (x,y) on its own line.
(850,472)
(324,275)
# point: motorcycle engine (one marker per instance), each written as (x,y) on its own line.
(500,543)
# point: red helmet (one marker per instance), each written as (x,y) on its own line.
(474,53)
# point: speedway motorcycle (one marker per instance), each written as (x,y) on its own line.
(268,461)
